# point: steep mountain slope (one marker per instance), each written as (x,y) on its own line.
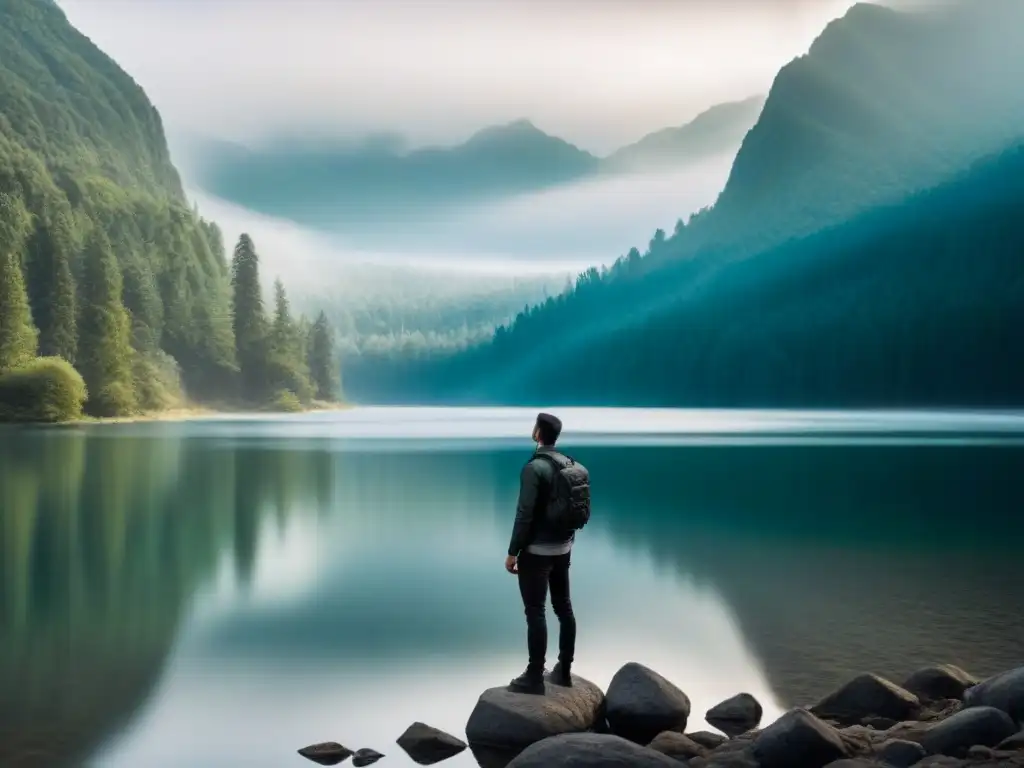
(123,278)
(885,103)
(717,130)
(67,101)
(919,303)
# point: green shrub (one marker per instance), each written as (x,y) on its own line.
(285,401)
(46,390)
(158,381)
(115,399)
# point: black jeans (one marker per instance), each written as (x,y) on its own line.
(536,573)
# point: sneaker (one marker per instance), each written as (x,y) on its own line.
(531,681)
(561,675)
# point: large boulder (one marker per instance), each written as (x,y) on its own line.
(677,745)
(943,681)
(590,750)
(798,739)
(1005,692)
(642,704)
(508,722)
(735,715)
(868,696)
(427,745)
(978,726)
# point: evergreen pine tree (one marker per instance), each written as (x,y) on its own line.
(18,336)
(323,365)
(288,364)
(248,320)
(105,353)
(53,287)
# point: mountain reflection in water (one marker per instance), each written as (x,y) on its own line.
(212,594)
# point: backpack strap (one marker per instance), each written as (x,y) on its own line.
(560,460)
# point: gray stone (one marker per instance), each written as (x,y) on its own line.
(798,739)
(642,704)
(984,726)
(867,696)
(590,750)
(365,756)
(1004,691)
(852,762)
(901,754)
(736,715)
(326,753)
(1013,743)
(510,722)
(427,745)
(943,681)
(708,739)
(677,745)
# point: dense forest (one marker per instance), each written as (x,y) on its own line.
(103,264)
(884,105)
(920,303)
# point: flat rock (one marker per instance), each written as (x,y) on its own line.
(852,762)
(642,704)
(326,753)
(708,739)
(590,750)
(798,739)
(984,726)
(1004,691)
(365,756)
(867,696)
(735,715)
(427,745)
(510,722)
(942,681)
(677,745)
(1013,743)
(901,754)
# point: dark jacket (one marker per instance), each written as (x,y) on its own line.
(531,526)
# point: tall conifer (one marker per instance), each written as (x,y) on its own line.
(18,336)
(323,365)
(106,355)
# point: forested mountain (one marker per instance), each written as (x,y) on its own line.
(919,303)
(373,183)
(102,261)
(717,130)
(885,104)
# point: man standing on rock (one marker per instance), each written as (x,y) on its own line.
(554,502)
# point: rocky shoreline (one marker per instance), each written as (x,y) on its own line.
(939,717)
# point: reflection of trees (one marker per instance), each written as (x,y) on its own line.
(102,542)
(836,560)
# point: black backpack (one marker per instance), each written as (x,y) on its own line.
(569,501)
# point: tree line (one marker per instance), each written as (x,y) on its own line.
(68,338)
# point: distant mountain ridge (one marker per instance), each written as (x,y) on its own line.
(372,181)
(884,105)
(719,129)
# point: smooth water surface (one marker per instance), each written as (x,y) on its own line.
(225,591)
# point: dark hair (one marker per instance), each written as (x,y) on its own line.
(550,427)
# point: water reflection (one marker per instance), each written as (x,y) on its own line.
(227,598)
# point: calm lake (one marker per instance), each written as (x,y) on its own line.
(222,592)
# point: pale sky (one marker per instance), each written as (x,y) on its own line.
(600,73)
